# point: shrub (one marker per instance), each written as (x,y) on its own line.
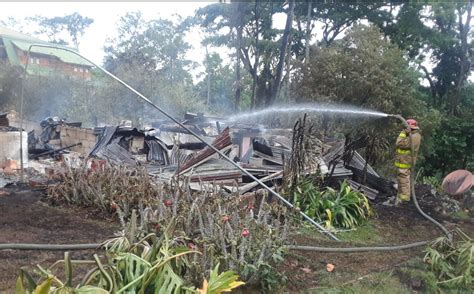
(343,208)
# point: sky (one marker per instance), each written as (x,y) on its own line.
(106,15)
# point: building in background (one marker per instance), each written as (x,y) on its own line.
(42,61)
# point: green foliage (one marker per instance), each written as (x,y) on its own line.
(260,43)
(9,86)
(453,263)
(267,276)
(151,57)
(433,181)
(218,283)
(451,146)
(343,208)
(363,69)
(220,78)
(152,264)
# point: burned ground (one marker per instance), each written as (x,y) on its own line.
(28,219)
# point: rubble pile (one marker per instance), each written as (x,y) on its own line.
(168,151)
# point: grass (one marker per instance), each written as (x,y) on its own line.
(365,234)
(384,282)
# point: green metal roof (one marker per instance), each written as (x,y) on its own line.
(23,42)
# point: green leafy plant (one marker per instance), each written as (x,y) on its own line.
(452,262)
(219,283)
(134,263)
(343,208)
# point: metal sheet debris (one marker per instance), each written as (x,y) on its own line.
(168,152)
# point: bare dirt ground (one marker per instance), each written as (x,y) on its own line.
(25,218)
(391,226)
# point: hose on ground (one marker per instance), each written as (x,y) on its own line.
(49,247)
(357,249)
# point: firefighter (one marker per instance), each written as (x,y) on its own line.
(405,158)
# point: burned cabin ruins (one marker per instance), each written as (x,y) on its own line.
(168,151)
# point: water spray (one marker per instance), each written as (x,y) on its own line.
(306,108)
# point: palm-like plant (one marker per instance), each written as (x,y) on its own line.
(452,262)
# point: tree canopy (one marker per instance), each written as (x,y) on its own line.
(411,58)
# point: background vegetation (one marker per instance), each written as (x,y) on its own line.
(410,58)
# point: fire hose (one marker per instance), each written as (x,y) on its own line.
(281,198)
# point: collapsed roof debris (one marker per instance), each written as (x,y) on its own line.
(168,151)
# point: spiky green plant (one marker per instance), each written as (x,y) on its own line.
(237,232)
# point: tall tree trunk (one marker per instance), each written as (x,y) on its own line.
(208,68)
(308,33)
(257,57)
(464,29)
(288,69)
(238,79)
(281,61)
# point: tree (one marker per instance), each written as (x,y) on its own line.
(216,88)
(451,148)
(440,32)
(9,86)
(151,57)
(12,23)
(338,16)
(157,45)
(263,53)
(283,50)
(362,69)
(73,25)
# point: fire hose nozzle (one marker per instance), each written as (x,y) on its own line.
(401,118)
